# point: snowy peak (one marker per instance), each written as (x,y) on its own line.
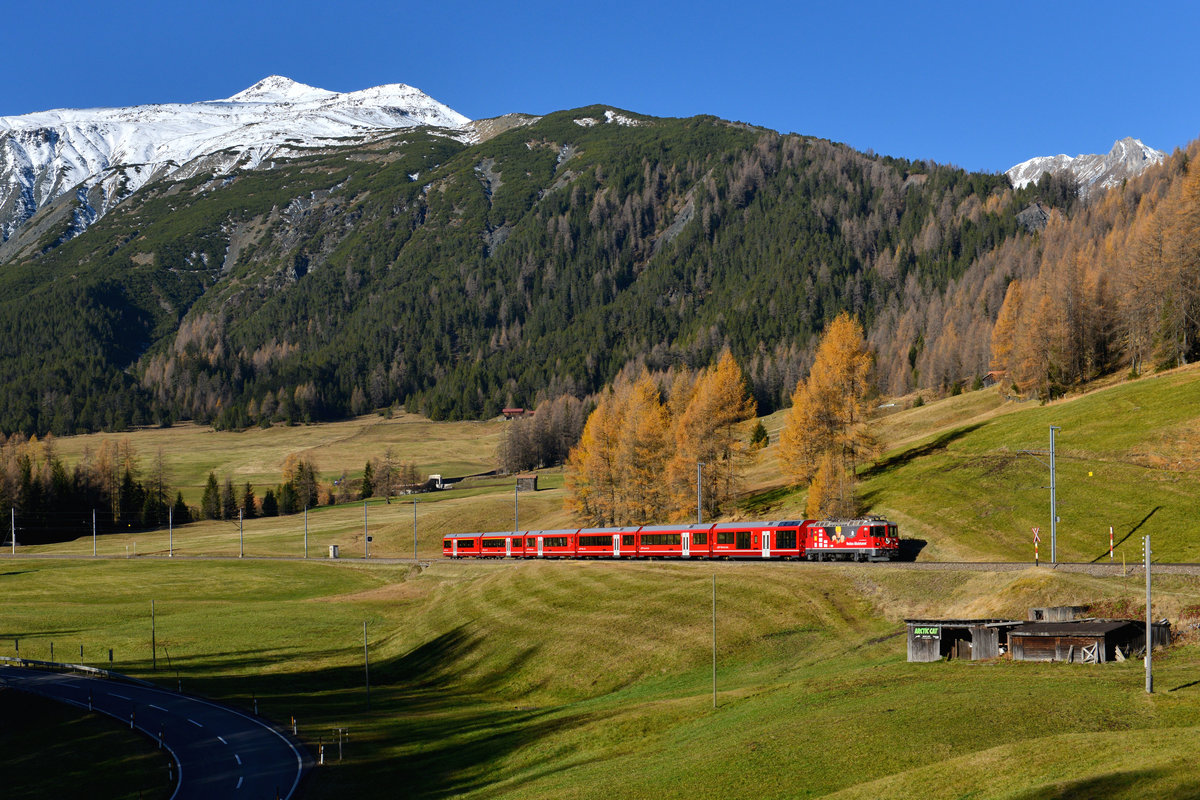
(278,89)
(1128,157)
(47,154)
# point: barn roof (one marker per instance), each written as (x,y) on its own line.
(1089,628)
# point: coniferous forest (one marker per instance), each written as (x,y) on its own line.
(457,279)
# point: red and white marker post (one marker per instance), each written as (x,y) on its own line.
(1110,543)
(1036,540)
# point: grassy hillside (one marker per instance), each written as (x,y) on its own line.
(953,475)
(594,680)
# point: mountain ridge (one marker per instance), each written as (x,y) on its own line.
(1127,158)
(106,154)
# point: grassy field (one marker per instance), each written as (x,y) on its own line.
(594,680)
(257,455)
(66,752)
(540,680)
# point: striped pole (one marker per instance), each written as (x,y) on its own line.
(1110,543)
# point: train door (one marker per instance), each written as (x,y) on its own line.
(539,547)
(508,547)
(766,544)
(616,544)
(687,544)
(454,548)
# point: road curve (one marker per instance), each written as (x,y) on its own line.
(218,752)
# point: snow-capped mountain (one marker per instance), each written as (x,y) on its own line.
(104,154)
(1127,158)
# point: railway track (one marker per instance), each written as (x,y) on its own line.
(1086,567)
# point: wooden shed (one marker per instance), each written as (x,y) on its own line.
(527,483)
(1056,613)
(1087,641)
(972,639)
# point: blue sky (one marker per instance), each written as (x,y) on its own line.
(981,85)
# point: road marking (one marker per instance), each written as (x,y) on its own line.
(240,782)
(197,724)
(160,708)
(237,758)
(114,694)
(222,740)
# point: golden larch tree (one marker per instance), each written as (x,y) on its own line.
(707,432)
(644,446)
(592,479)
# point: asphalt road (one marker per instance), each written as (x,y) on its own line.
(218,752)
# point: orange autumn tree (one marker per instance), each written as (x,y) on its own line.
(829,414)
(636,460)
(708,432)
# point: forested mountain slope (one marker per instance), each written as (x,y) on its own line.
(460,278)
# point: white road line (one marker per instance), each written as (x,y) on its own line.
(160,708)
(240,782)
(114,694)
(222,740)
(197,724)
(237,758)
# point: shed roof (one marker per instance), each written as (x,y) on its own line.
(963,623)
(1090,628)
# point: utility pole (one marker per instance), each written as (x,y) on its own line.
(699,494)
(366,537)
(153,646)
(1053,501)
(93,533)
(306,530)
(414,529)
(170,531)
(14,529)
(1149,624)
(241,536)
(517,507)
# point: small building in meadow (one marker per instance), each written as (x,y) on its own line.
(970,639)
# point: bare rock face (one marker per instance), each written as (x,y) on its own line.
(1127,158)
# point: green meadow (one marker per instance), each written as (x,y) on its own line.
(562,679)
(545,679)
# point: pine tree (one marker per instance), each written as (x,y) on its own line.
(249,507)
(229,506)
(180,513)
(210,501)
(270,506)
(368,481)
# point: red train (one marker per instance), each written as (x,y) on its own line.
(867,539)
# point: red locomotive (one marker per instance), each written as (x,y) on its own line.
(866,539)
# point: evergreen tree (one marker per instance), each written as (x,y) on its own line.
(180,513)
(368,481)
(229,505)
(249,507)
(270,506)
(210,501)
(289,500)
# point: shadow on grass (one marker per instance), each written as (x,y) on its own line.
(1132,531)
(1129,783)
(910,548)
(437,726)
(920,451)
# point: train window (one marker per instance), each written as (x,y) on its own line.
(661,538)
(785,540)
(493,543)
(892,530)
(724,537)
(445,544)
(743,540)
(879,530)
(700,537)
(554,541)
(627,540)
(468,543)
(595,541)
